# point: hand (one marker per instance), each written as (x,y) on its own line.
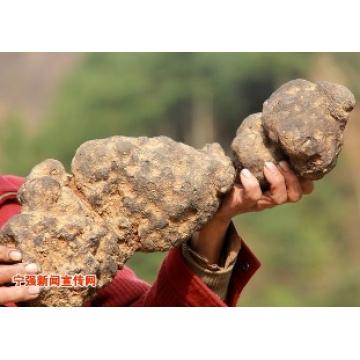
(10,266)
(247,196)
(285,187)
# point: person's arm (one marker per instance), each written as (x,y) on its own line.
(212,252)
(246,196)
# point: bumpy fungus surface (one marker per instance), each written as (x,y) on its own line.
(124,195)
(253,147)
(302,122)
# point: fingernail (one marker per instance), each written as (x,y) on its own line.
(15,255)
(34,290)
(31,268)
(270,166)
(284,166)
(246,173)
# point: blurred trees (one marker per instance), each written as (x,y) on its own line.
(192,97)
(305,248)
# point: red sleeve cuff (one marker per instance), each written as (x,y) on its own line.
(245,267)
(191,291)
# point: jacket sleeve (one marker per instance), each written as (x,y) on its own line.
(176,285)
(9,205)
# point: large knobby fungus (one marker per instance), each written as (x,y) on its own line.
(151,194)
(302,123)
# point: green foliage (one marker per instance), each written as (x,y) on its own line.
(14,147)
(146,265)
(152,94)
(305,248)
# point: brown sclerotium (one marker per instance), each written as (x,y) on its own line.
(302,122)
(253,148)
(124,195)
(59,231)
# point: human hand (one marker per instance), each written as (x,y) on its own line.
(11,265)
(247,196)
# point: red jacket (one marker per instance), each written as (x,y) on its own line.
(176,284)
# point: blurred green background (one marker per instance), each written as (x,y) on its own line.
(50,103)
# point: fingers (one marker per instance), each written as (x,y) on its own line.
(296,186)
(252,191)
(8,271)
(9,254)
(246,194)
(278,187)
(294,190)
(18,293)
(286,186)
